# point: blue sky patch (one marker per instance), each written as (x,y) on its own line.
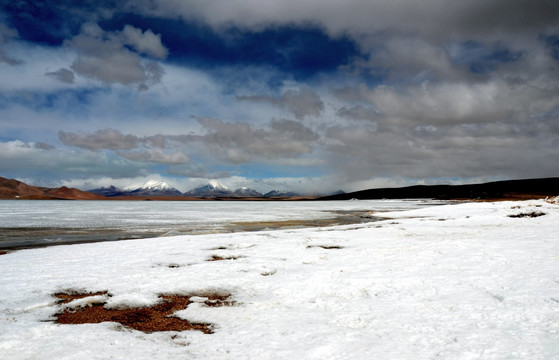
(300,51)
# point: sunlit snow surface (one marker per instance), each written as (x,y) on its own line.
(463,281)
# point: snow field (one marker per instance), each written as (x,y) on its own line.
(454,282)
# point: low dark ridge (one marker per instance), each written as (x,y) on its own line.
(498,190)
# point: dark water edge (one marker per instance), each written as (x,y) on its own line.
(15,238)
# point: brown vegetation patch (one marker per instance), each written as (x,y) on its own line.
(327,247)
(219,301)
(2,252)
(221,258)
(158,317)
(532,214)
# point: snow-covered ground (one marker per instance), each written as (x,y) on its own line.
(465,281)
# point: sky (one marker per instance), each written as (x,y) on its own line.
(304,95)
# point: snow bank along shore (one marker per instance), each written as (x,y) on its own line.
(464,281)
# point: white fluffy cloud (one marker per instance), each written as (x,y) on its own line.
(144,42)
(105,56)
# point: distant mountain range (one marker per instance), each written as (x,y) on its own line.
(507,190)
(212,190)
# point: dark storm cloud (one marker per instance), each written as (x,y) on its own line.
(451,129)
(506,16)
(431,152)
(456,102)
(433,18)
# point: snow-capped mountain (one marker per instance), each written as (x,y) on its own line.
(279,193)
(152,188)
(246,192)
(213,189)
(217,190)
(109,191)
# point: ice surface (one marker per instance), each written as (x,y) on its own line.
(459,281)
(48,222)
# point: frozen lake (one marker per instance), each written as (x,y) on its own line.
(40,223)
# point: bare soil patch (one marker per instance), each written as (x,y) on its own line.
(158,317)
(532,214)
(327,247)
(221,258)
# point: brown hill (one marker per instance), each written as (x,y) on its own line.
(14,189)
(10,189)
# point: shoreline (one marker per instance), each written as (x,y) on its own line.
(343,218)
